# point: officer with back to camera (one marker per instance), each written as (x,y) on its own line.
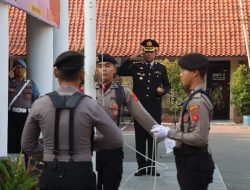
(66,119)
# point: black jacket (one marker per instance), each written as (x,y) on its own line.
(145,83)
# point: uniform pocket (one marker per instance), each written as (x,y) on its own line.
(27,94)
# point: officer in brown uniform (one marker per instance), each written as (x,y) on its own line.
(150,83)
(113,97)
(194,163)
(22,93)
(67,123)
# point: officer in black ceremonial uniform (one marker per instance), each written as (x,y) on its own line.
(194,163)
(150,83)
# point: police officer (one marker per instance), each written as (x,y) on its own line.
(67,133)
(114,97)
(194,163)
(150,83)
(22,93)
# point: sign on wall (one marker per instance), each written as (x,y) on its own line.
(47,11)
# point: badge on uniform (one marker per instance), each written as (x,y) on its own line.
(114,110)
(132,94)
(194,111)
(158,72)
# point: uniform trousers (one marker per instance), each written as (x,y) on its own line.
(194,171)
(109,165)
(16,123)
(141,138)
(67,175)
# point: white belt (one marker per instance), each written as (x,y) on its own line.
(21,110)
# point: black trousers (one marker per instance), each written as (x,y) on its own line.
(109,165)
(16,123)
(141,138)
(194,171)
(68,175)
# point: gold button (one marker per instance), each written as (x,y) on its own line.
(148,80)
(148,88)
(149,74)
(140,78)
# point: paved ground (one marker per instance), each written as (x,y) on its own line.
(231,151)
(167,180)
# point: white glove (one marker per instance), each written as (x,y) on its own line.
(160,131)
(169,145)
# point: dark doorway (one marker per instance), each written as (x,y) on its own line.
(218,78)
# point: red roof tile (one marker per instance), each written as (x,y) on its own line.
(212,27)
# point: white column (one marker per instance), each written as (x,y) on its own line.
(61,35)
(90,52)
(4,55)
(40,54)
(90,46)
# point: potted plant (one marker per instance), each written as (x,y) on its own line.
(14,174)
(240,89)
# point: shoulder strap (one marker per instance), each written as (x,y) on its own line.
(120,96)
(60,103)
(65,102)
(184,109)
(18,94)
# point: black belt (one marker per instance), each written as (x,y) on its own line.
(186,150)
(69,165)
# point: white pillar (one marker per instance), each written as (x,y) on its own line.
(40,54)
(4,55)
(90,46)
(90,52)
(61,35)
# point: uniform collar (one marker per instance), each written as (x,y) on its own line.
(201,86)
(14,80)
(113,85)
(68,89)
(152,63)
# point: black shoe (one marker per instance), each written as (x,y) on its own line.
(153,173)
(140,173)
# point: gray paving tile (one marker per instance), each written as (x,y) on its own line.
(167,180)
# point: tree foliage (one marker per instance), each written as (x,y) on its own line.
(240,89)
(177,91)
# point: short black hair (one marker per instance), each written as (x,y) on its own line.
(202,71)
(69,76)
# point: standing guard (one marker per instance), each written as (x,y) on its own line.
(22,94)
(150,83)
(194,163)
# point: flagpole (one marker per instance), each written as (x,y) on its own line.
(245,32)
(90,52)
